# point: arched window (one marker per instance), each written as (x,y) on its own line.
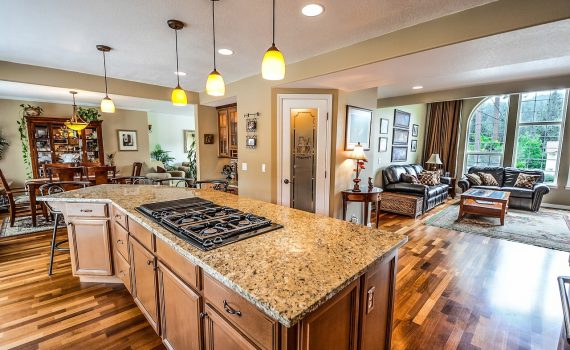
(486,133)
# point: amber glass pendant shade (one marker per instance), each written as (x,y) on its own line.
(215,85)
(273,64)
(107,105)
(178,97)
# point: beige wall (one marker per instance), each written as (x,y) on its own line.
(13,165)
(209,165)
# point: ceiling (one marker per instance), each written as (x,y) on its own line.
(63,33)
(534,52)
(40,93)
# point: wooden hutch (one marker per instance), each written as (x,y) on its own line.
(51,142)
(227,131)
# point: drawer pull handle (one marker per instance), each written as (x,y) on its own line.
(122,273)
(118,217)
(230,310)
(149,262)
(203,315)
(86,210)
(120,241)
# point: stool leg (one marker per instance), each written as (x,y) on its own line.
(53,238)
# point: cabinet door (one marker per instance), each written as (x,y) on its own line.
(223,132)
(143,265)
(179,312)
(232,115)
(221,335)
(90,247)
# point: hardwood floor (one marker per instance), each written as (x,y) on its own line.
(454,291)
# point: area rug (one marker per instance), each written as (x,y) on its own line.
(549,228)
(23,225)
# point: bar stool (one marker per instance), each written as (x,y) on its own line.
(53,188)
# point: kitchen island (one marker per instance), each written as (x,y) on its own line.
(316,283)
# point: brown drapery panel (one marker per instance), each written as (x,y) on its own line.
(442,133)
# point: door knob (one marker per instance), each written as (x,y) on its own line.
(286,181)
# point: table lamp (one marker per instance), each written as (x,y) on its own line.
(358,155)
(434,160)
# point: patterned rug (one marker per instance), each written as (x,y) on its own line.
(23,225)
(549,228)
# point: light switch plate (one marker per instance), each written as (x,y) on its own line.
(263,167)
(244,166)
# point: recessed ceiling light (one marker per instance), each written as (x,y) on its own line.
(417,87)
(180,73)
(312,10)
(225,52)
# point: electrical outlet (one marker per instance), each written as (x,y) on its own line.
(244,166)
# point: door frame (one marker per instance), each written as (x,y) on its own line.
(329,100)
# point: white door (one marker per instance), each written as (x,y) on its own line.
(304,139)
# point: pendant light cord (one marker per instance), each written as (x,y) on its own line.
(214,30)
(273,22)
(177,70)
(105,70)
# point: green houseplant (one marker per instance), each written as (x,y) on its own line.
(161,155)
(27,111)
(192,171)
(31,111)
(88,114)
(4,144)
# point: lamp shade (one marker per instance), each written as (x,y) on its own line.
(434,159)
(178,97)
(358,153)
(273,64)
(107,105)
(75,125)
(215,85)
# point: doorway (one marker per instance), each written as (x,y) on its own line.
(303,155)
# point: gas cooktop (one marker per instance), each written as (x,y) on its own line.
(204,224)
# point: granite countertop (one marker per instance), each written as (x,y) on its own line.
(287,273)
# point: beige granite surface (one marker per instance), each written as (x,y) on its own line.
(287,272)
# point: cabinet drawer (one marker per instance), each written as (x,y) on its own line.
(87,209)
(120,217)
(189,272)
(120,240)
(123,270)
(253,322)
(144,236)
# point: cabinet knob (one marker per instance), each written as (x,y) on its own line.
(203,315)
(118,216)
(120,241)
(149,262)
(286,181)
(231,310)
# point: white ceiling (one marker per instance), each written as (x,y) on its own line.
(63,33)
(534,52)
(39,93)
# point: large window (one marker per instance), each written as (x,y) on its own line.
(540,125)
(486,133)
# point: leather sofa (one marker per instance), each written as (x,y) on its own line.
(520,198)
(432,195)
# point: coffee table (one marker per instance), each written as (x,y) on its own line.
(484,202)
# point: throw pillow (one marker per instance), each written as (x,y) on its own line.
(474,179)
(488,179)
(429,178)
(160,169)
(526,181)
(409,178)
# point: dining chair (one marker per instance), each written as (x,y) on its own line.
(137,167)
(176,182)
(132,180)
(18,200)
(65,173)
(220,185)
(47,167)
(100,173)
(53,188)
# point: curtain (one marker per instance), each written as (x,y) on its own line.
(442,133)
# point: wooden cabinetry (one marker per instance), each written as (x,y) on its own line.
(143,266)
(89,245)
(180,308)
(50,142)
(219,334)
(227,131)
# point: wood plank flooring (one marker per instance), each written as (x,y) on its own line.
(454,291)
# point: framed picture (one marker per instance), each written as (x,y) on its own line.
(251,141)
(399,153)
(382,144)
(414,146)
(251,125)
(189,140)
(400,136)
(415,130)
(358,121)
(384,123)
(208,139)
(401,119)
(127,140)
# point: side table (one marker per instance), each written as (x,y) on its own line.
(366,196)
(452,186)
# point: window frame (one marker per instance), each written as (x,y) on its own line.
(562,124)
(467,153)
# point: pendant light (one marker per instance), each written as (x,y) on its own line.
(273,64)
(215,85)
(75,123)
(178,96)
(107,105)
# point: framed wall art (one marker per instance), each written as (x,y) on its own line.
(384,124)
(399,153)
(400,136)
(189,139)
(382,144)
(415,130)
(401,119)
(127,140)
(414,146)
(358,121)
(208,139)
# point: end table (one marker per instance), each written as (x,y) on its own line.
(365,196)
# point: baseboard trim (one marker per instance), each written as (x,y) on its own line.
(555,206)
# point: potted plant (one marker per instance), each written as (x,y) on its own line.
(88,114)
(161,155)
(192,171)
(31,111)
